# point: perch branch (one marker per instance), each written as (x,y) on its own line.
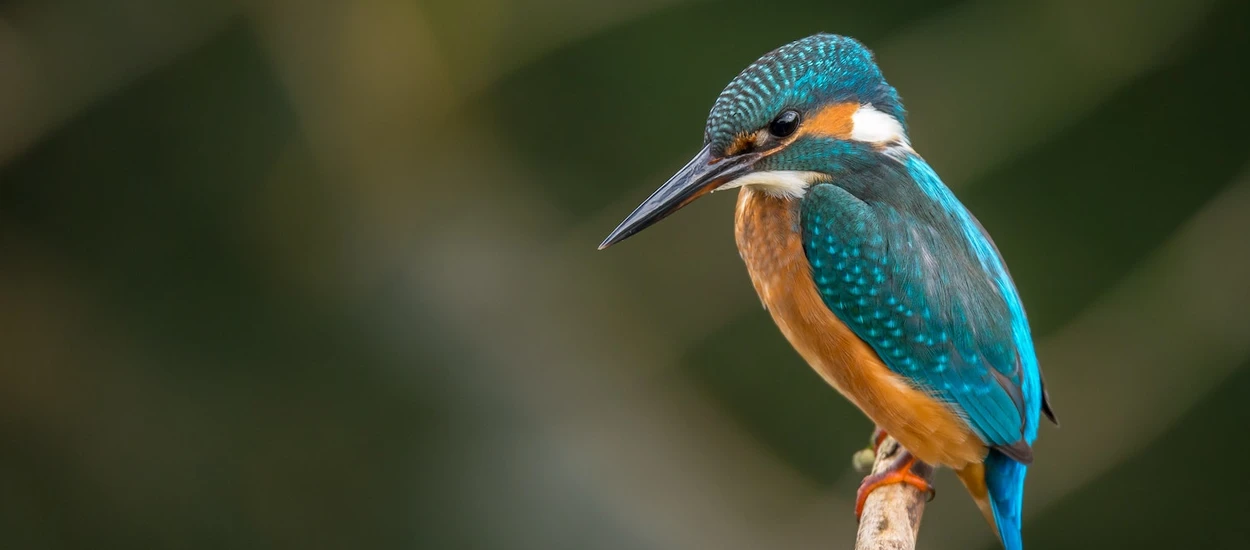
(891,517)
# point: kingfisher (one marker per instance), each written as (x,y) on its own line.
(872,269)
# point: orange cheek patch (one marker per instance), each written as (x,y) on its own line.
(832,121)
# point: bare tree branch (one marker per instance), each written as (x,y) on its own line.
(891,516)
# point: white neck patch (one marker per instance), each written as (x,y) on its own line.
(787,184)
(872,126)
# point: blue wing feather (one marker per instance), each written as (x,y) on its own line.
(898,259)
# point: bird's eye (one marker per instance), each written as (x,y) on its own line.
(785,124)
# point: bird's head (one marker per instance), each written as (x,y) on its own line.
(805,112)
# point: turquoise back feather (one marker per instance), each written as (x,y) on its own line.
(899,259)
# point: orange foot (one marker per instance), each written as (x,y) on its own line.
(899,472)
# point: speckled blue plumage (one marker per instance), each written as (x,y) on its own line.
(898,258)
(819,69)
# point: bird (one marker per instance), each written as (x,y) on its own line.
(872,269)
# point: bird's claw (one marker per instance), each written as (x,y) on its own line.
(900,472)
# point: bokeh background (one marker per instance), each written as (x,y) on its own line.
(287,274)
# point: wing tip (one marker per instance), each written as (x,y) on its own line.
(1046,407)
(1020,451)
(1049,412)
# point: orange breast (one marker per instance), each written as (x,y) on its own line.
(769,240)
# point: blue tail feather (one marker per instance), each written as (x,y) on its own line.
(1004,480)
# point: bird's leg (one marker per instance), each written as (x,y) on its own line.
(878,436)
(864,458)
(900,471)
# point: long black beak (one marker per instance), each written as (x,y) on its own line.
(701,175)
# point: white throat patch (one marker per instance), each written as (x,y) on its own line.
(781,183)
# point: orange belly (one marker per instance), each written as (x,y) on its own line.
(770,242)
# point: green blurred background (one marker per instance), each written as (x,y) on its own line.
(286,274)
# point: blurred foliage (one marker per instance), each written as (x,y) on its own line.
(247,301)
